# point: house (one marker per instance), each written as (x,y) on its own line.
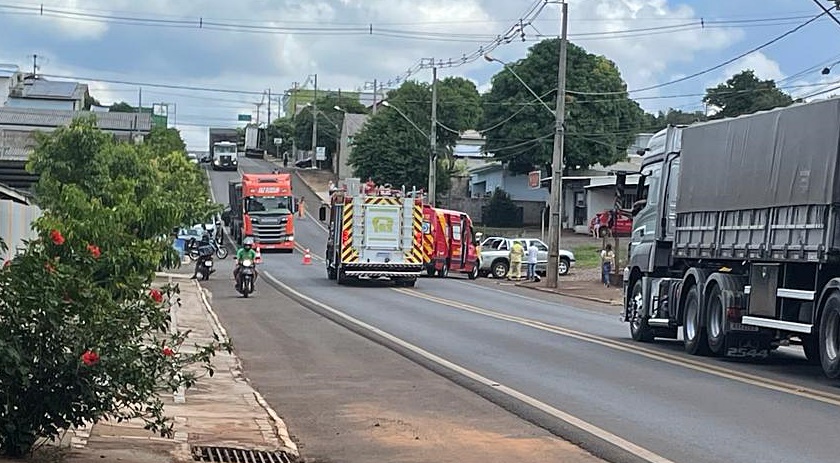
(18,127)
(352,124)
(16,214)
(486,178)
(470,149)
(29,91)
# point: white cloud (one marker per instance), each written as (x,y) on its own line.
(255,62)
(763,66)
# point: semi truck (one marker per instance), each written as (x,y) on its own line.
(252,141)
(736,236)
(374,235)
(262,206)
(223,149)
(449,243)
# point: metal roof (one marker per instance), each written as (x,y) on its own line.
(52,90)
(51,118)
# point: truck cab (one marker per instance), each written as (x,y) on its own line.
(263,207)
(223,156)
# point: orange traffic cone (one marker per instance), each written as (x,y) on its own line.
(258,259)
(307,258)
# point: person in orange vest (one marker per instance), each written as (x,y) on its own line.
(302,207)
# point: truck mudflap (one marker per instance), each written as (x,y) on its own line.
(748,345)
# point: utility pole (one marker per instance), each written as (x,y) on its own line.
(374,95)
(433,139)
(34,66)
(315,123)
(269,108)
(556,206)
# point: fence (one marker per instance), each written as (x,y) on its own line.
(16,225)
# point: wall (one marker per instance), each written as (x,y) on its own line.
(15,224)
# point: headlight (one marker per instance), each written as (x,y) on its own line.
(247,263)
(291,238)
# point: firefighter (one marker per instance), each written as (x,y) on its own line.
(516,253)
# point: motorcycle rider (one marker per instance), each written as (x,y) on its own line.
(205,249)
(246,252)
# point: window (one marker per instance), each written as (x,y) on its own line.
(456,232)
(282,204)
(652,184)
(540,246)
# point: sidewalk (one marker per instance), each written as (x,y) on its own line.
(222,411)
(582,284)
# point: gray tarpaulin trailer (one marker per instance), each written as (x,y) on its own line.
(737,242)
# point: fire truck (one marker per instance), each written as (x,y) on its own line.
(448,243)
(262,206)
(374,235)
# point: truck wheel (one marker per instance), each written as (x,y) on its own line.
(694,335)
(331,273)
(407,283)
(340,277)
(473,273)
(639,329)
(716,320)
(811,347)
(500,268)
(444,271)
(430,270)
(830,336)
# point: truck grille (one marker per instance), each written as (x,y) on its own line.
(271,229)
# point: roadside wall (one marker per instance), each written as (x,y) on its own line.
(16,225)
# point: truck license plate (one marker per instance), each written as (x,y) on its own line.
(743,327)
(383,255)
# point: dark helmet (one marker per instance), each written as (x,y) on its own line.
(248,242)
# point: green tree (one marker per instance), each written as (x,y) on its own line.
(599,127)
(122,107)
(166,140)
(662,119)
(282,128)
(501,211)
(744,93)
(330,121)
(85,332)
(390,149)
(90,101)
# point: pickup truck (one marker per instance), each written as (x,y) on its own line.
(495,250)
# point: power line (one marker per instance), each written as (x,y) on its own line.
(708,70)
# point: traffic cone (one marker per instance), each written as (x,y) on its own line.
(258,259)
(307,258)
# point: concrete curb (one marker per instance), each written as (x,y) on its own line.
(281,431)
(561,293)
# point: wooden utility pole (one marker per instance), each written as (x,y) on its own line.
(555,222)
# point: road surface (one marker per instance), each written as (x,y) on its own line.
(570,368)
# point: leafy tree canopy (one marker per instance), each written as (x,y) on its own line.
(330,121)
(599,128)
(122,107)
(744,93)
(283,128)
(391,149)
(655,123)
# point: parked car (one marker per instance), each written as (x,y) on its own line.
(192,157)
(623,225)
(494,260)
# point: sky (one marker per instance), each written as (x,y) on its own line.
(249,46)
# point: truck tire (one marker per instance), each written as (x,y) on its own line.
(694,334)
(473,273)
(407,282)
(830,336)
(340,277)
(639,329)
(430,270)
(444,271)
(564,266)
(331,273)
(716,320)
(499,268)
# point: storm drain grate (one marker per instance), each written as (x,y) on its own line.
(234,455)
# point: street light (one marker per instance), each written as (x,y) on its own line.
(827,70)
(337,157)
(509,68)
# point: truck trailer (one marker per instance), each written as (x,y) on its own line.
(223,149)
(262,206)
(736,236)
(375,235)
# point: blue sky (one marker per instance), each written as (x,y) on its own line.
(74,39)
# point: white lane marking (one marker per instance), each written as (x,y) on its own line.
(542,406)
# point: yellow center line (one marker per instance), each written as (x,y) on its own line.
(746,378)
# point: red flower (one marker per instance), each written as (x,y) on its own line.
(7,264)
(50,267)
(56,237)
(156,295)
(90,357)
(94,251)
(168,352)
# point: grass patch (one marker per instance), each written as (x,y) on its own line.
(589,256)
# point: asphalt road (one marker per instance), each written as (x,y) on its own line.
(576,360)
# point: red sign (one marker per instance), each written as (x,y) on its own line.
(534,179)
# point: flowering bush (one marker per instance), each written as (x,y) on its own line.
(83,334)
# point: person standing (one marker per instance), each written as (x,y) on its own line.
(532,261)
(607,264)
(302,207)
(515,256)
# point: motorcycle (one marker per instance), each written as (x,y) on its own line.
(193,249)
(204,267)
(247,275)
